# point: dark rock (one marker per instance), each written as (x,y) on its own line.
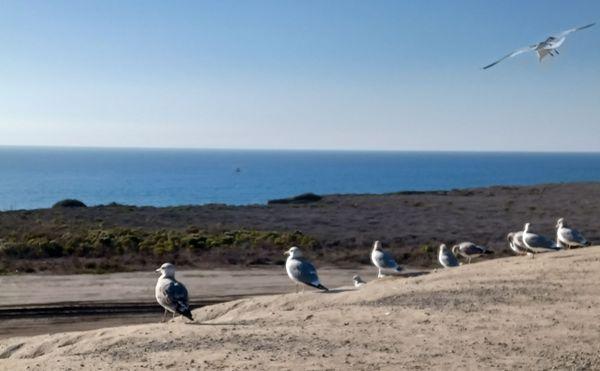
(68,203)
(304,198)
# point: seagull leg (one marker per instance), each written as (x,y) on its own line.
(379,275)
(296,287)
(164,319)
(173,316)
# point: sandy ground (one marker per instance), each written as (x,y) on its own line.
(510,313)
(133,293)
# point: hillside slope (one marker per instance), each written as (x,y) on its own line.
(504,313)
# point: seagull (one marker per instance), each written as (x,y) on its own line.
(536,243)
(301,270)
(568,237)
(469,250)
(383,261)
(515,241)
(547,47)
(358,282)
(171,294)
(447,258)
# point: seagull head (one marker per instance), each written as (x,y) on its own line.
(167,270)
(560,223)
(510,236)
(455,249)
(293,252)
(377,245)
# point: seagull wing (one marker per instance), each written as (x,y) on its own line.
(565,33)
(305,272)
(513,54)
(571,236)
(383,260)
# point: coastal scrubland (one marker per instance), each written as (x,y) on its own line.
(335,230)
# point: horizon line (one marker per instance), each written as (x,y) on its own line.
(166,148)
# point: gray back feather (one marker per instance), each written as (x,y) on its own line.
(303,271)
(383,260)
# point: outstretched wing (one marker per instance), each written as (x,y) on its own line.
(565,33)
(513,54)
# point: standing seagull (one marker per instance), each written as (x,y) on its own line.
(568,237)
(547,47)
(515,242)
(469,250)
(170,294)
(536,243)
(358,282)
(447,258)
(383,261)
(301,270)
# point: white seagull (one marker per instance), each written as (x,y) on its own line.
(547,47)
(301,270)
(447,258)
(469,250)
(170,294)
(515,242)
(536,243)
(383,261)
(568,237)
(358,282)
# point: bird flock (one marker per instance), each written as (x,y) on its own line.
(173,296)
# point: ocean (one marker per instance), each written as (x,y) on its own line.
(33,177)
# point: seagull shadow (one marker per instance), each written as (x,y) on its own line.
(245,323)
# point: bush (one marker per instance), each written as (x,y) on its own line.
(69,203)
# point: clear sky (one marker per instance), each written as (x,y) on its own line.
(389,75)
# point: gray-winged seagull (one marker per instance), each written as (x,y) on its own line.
(536,243)
(447,258)
(469,250)
(515,242)
(171,294)
(383,261)
(547,47)
(358,282)
(568,237)
(301,270)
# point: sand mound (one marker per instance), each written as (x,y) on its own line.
(505,313)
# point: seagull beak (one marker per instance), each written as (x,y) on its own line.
(286,253)
(157,270)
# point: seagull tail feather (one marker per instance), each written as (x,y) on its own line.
(318,286)
(184,310)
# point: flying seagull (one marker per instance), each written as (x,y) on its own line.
(547,47)
(383,261)
(447,258)
(170,294)
(469,250)
(301,270)
(569,237)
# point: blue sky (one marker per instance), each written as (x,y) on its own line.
(387,75)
